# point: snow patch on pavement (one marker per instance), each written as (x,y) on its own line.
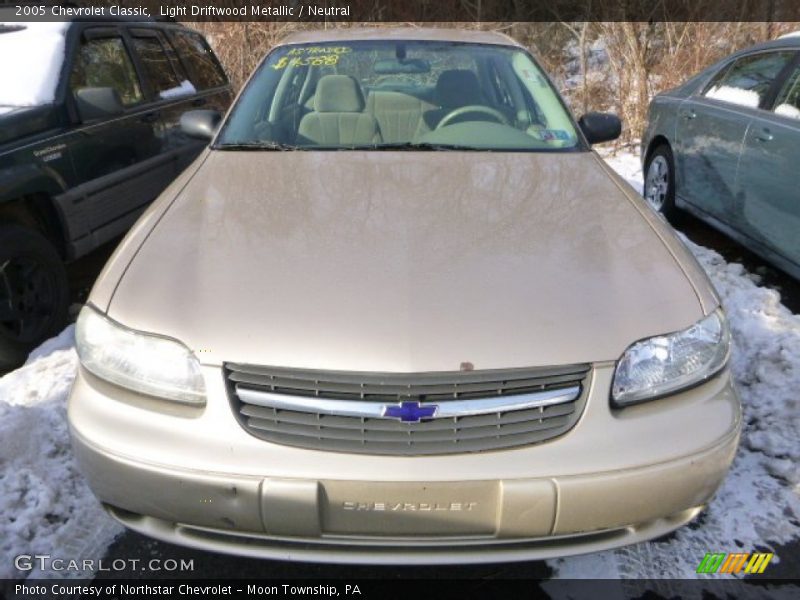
(758,505)
(45,505)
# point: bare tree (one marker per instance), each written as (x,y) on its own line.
(641,58)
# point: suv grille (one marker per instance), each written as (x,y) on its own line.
(342,411)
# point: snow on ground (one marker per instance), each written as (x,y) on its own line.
(628,166)
(45,504)
(46,507)
(758,505)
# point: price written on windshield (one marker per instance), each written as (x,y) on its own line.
(311,56)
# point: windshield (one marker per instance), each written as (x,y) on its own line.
(399,94)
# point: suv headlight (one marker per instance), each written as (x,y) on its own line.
(664,364)
(142,362)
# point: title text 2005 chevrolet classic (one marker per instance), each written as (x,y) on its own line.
(400,312)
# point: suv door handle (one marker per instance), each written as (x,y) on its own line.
(688,114)
(150,117)
(765,136)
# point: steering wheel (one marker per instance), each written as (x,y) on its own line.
(476,108)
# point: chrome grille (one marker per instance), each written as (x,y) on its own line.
(343,411)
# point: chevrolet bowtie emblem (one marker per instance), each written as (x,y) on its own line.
(409,412)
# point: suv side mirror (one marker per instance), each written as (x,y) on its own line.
(98,103)
(600,127)
(201,124)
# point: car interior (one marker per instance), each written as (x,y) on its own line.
(373,101)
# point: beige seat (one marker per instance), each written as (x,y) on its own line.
(337,118)
(399,115)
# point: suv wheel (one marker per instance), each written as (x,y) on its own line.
(659,182)
(34,294)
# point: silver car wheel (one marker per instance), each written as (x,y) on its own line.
(656,185)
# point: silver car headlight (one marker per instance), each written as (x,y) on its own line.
(142,362)
(664,364)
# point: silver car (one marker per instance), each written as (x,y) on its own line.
(723,146)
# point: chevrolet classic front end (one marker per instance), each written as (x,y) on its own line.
(328,342)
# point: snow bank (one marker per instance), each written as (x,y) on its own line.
(765,362)
(45,504)
(30,63)
(628,166)
(734,95)
(787,110)
(759,502)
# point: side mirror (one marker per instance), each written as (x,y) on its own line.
(600,127)
(201,124)
(98,103)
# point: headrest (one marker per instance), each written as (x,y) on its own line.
(338,93)
(458,87)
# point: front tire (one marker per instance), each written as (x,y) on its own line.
(34,293)
(659,182)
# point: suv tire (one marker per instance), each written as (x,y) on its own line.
(34,293)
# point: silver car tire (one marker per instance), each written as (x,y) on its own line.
(659,182)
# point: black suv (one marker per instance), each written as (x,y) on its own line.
(89,136)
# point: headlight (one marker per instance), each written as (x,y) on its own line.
(145,363)
(665,364)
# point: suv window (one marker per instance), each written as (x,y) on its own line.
(788,102)
(747,81)
(204,71)
(157,66)
(105,63)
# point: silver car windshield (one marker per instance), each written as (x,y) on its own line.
(399,94)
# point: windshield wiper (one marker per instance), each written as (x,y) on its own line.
(273,146)
(270,146)
(421,146)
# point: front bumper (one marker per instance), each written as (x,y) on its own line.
(195,477)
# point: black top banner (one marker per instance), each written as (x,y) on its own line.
(408,10)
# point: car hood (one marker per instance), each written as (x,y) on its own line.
(404,262)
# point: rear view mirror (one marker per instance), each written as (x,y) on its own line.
(201,124)
(98,103)
(402,67)
(600,127)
